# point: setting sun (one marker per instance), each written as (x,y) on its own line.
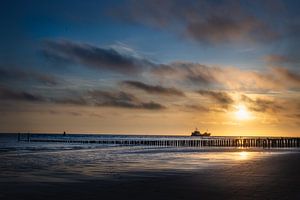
(242,113)
(148,99)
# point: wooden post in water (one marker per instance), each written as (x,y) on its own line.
(28,137)
(246,142)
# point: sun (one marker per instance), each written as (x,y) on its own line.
(242,113)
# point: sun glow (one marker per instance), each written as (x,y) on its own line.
(242,113)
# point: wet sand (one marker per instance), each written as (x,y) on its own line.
(274,177)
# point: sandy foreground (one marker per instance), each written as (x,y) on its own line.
(274,177)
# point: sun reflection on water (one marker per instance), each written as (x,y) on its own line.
(244,155)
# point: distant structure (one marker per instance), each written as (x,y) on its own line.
(229,141)
(197,133)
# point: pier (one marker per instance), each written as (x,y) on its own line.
(167,141)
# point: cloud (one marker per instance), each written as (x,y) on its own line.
(75,100)
(121,99)
(291,77)
(219,29)
(153,89)
(261,105)
(204,21)
(220,97)
(230,78)
(193,73)
(9,94)
(21,75)
(278,58)
(108,59)
(294,117)
(73,113)
(195,108)
(90,98)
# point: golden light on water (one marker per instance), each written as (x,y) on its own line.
(243,155)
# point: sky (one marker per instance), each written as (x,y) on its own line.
(230,67)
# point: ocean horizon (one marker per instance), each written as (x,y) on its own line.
(118,171)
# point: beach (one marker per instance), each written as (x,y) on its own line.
(64,171)
(150,100)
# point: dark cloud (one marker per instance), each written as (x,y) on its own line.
(21,75)
(261,105)
(121,99)
(154,89)
(280,59)
(91,98)
(197,73)
(199,108)
(9,94)
(109,59)
(205,21)
(151,106)
(220,28)
(200,78)
(294,116)
(221,97)
(80,101)
(191,72)
(287,75)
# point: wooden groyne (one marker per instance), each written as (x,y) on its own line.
(262,142)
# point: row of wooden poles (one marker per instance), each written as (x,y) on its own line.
(199,142)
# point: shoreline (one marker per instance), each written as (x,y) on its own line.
(272,177)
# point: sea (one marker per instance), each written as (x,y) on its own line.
(55,170)
(42,161)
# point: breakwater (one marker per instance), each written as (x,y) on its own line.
(165,141)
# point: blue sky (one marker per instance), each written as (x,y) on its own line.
(30,22)
(59,53)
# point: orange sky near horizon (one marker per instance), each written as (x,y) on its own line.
(174,121)
(151,67)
